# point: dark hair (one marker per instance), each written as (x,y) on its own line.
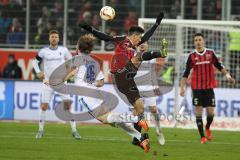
(135,30)
(11,56)
(85,43)
(198,34)
(53,32)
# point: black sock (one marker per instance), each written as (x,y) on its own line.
(137,127)
(146,56)
(200,125)
(209,121)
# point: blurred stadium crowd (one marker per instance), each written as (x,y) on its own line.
(45,15)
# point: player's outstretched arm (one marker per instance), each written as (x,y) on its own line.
(96,33)
(150,32)
(36,67)
(183,86)
(185,76)
(221,68)
(228,76)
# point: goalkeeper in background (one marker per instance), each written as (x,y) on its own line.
(202,62)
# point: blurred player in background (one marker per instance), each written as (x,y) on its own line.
(202,62)
(151,102)
(12,70)
(125,62)
(52,57)
(85,76)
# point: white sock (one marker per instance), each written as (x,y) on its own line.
(122,117)
(156,122)
(129,128)
(42,120)
(73,125)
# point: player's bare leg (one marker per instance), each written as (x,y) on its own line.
(210,116)
(139,111)
(156,118)
(199,121)
(44,107)
(75,134)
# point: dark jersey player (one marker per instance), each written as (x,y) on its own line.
(202,62)
(126,61)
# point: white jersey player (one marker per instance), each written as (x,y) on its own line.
(52,57)
(85,75)
(151,101)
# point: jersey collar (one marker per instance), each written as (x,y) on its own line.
(53,49)
(201,53)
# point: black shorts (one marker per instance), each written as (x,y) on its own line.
(124,81)
(203,97)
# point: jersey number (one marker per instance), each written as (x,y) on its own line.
(90,75)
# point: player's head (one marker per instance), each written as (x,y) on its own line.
(53,37)
(85,43)
(135,34)
(11,58)
(199,41)
(143,47)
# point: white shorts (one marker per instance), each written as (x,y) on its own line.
(150,101)
(47,93)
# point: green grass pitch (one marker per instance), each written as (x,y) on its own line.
(101,142)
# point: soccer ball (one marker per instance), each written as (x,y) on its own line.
(107,13)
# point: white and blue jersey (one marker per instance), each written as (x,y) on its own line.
(52,58)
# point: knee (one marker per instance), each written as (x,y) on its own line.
(153,109)
(67,105)
(210,114)
(44,106)
(198,111)
(210,111)
(139,107)
(103,118)
(198,114)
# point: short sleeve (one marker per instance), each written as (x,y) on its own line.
(41,53)
(100,76)
(188,67)
(68,54)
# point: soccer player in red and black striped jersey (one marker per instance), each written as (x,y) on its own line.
(126,61)
(202,62)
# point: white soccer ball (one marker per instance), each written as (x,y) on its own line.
(107,13)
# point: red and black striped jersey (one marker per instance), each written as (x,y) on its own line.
(202,65)
(124,51)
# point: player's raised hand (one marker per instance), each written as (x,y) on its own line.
(85,26)
(159,18)
(40,75)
